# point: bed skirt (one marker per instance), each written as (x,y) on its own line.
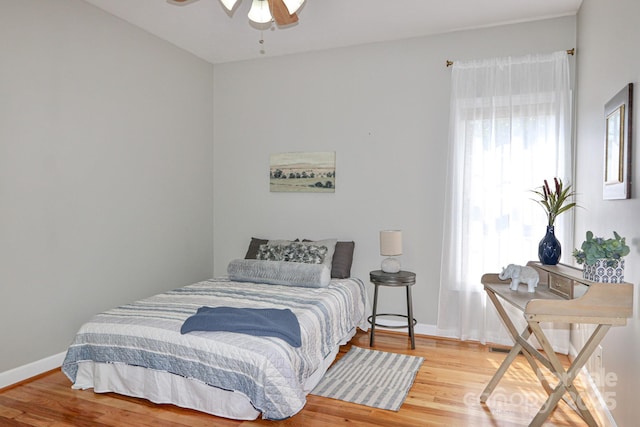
(166,388)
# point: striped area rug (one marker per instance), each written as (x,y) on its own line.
(369,377)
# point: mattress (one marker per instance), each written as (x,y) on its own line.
(138,350)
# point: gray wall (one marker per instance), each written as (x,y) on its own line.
(106,182)
(383,108)
(607,60)
(106,154)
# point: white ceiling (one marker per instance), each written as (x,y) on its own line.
(204,28)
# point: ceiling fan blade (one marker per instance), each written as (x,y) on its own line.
(181,2)
(281,14)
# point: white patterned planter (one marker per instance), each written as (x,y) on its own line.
(600,272)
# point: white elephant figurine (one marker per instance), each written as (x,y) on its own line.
(520,274)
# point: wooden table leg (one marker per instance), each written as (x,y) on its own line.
(515,350)
(566,378)
(519,339)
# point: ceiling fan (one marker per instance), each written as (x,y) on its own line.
(283,12)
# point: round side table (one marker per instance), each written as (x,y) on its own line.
(404,279)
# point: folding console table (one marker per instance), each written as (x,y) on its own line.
(563,296)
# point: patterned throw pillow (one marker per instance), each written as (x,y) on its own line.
(293,252)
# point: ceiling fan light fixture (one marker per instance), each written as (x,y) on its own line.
(229,4)
(260,12)
(293,5)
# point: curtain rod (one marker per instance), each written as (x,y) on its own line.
(571,52)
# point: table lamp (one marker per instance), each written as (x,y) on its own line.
(390,246)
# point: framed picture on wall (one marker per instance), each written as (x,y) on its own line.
(618,113)
(312,172)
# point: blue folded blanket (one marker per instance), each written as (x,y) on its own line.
(264,322)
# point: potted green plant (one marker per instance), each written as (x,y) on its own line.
(603,259)
(554,202)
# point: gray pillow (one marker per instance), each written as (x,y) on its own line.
(329,243)
(293,252)
(342,259)
(280,273)
(331,248)
(254,246)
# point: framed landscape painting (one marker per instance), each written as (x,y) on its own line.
(313,172)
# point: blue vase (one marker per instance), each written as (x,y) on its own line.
(549,249)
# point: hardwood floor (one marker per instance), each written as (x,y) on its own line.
(445,393)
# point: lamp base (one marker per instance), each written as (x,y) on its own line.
(390,265)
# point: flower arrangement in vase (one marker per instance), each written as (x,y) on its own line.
(603,259)
(554,202)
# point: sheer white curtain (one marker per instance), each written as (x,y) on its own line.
(509,130)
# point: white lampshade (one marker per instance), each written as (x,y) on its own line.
(391,242)
(260,12)
(293,5)
(390,246)
(229,4)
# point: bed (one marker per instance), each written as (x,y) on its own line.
(141,350)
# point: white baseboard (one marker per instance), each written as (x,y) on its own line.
(30,370)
